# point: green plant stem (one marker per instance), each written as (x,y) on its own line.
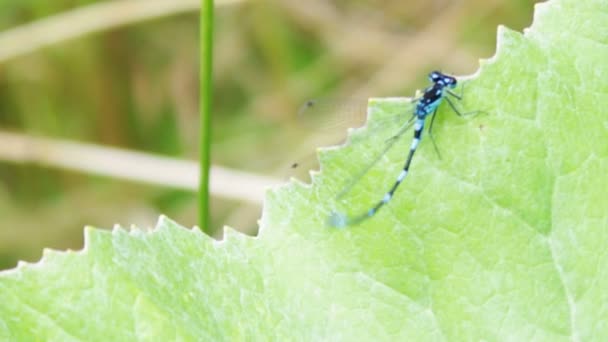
(206,94)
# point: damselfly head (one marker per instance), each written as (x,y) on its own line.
(443,79)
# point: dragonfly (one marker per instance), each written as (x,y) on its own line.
(426,105)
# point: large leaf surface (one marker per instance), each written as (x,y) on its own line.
(504,237)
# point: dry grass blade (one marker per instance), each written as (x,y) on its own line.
(89,19)
(130,165)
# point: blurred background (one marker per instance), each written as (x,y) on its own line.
(124,75)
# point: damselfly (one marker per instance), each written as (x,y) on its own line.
(426,105)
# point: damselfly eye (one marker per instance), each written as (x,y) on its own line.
(449,81)
(435,76)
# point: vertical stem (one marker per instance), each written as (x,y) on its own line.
(206,93)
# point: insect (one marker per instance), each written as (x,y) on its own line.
(426,105)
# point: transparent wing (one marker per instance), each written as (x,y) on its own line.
(330,117)
(327,116)
(322,122)
(388,144)
(322,115)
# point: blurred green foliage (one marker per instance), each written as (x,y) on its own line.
(136,87)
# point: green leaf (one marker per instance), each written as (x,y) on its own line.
(504,238)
